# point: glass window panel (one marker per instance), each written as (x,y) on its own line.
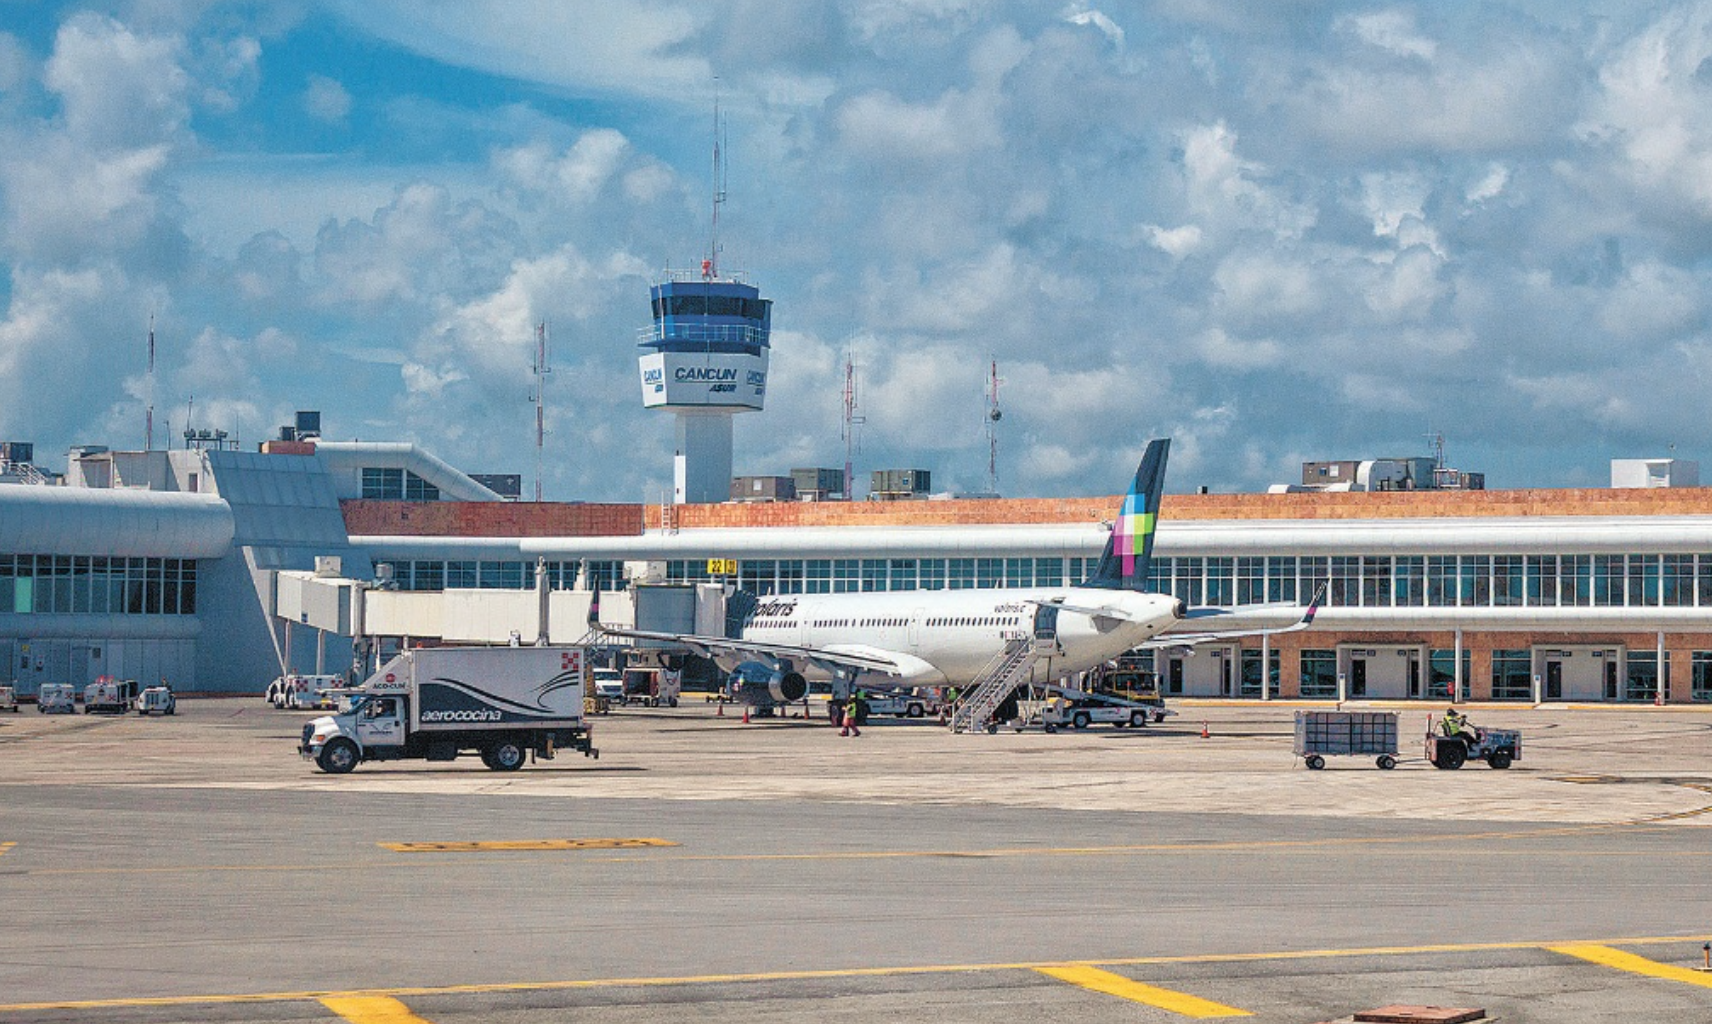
(1188,577)
(1019,572)
(1280,579)
(1575,580)
(1541,588)
(1507,581)
(1375,581)
(1049,572)
(1644,580)
(873,574)
(989,572)
(1319,673)
(902,574)
(1441,581)
(846,575)
(1409,581)
(933,574)
(1608,576)
(817,577)
(1476,587)
(962,573)
(1677,581)
(1345,581)
(1512,675)
(1250,581)
(1221,592)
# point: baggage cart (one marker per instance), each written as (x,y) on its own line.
(1322,734)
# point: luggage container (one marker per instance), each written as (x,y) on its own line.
(1323,734)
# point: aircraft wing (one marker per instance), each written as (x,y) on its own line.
(1167,640)
(726,649)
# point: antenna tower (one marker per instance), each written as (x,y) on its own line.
(149,392)
(710,265)
(539,397)
(851,422)
(994,415)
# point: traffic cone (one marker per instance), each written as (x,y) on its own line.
(721,712)
(1204,733)
(745,714)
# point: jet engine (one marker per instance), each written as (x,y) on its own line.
(760,685)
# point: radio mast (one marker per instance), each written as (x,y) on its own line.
(993,417)
(851,422)
(539,397)
(149,392)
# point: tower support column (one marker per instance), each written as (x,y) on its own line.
(701,470)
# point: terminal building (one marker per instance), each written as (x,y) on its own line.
(205,567)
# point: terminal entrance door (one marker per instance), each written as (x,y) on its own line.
(1358,677)
(1174,676)
(1554,680)
(8,662)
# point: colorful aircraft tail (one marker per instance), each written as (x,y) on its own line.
(1130,549)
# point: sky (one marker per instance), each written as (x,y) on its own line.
(1273,230)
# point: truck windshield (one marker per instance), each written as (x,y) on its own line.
(351,703)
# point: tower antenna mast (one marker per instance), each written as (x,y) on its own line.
(710,266)
(851,422)
(993,417)
(149,392)
(540,370)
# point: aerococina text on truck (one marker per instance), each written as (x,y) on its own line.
(503,703)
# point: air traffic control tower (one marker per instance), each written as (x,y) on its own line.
(705,359)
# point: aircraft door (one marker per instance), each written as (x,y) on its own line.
(1046,623)
(915,621)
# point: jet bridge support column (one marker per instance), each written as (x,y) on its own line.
(1266,666)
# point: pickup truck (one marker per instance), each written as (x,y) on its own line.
(1080,710)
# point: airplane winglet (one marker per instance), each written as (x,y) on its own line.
(1314,606)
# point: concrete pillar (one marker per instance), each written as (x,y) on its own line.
(1266,666)
(1456,669)
(290,666)
(320,652)
(1661,694)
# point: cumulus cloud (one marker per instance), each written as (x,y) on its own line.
(326,100)
(1171,218)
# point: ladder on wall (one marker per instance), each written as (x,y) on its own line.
(1008,670)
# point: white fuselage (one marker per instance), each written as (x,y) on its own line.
(947,637)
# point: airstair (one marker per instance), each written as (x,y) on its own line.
(1008,670)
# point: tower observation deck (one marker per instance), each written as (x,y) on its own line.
(705,358)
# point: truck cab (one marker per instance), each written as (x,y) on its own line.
(8,698)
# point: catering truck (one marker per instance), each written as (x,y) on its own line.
(436,703)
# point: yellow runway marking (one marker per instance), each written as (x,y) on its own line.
(851,972)
(1437,844)
(1096,980)
(5,848)
(1622,961)
(525,844)
(371,1010)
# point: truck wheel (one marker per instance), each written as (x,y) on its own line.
(505,756)
(1499,759)
(338,757)
(1051,728)
(1450,756)
(1138,719)
(915,711)
(1387,762)
(1314,762)
(1080,720)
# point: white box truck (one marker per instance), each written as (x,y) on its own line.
(437,703)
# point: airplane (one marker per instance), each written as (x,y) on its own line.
(939,638)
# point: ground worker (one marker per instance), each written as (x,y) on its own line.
(1456,724)
(853,715)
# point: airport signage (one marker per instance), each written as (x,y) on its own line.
(677,380)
